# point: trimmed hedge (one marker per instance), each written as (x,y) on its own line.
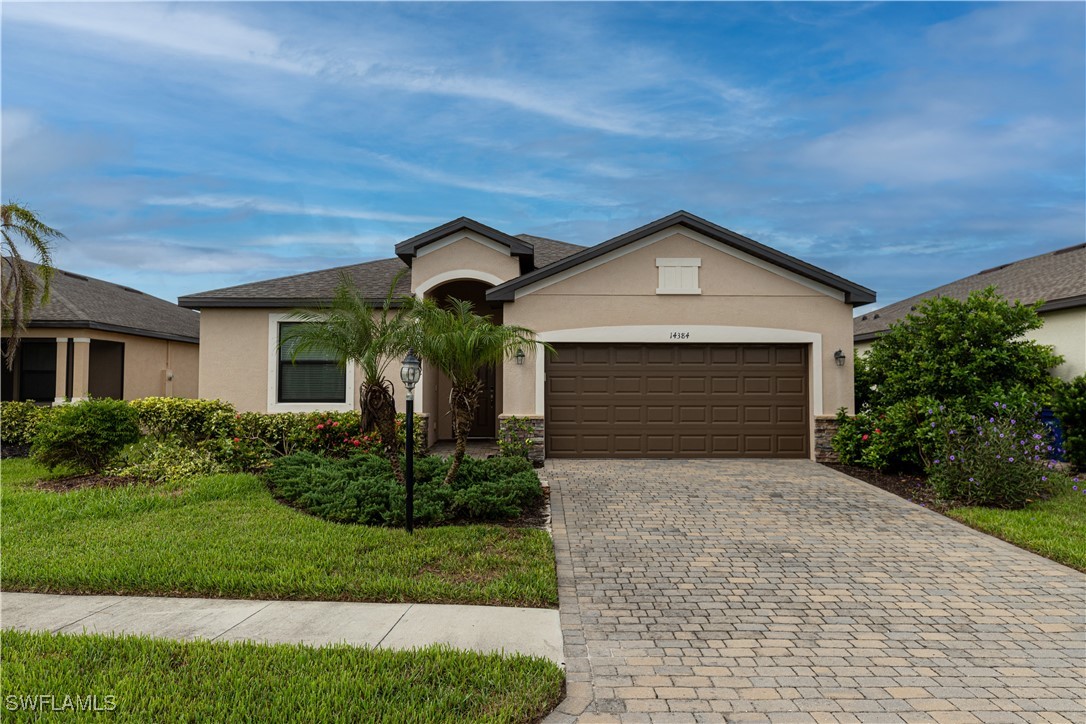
(20,420)
(362,489)
(86,435)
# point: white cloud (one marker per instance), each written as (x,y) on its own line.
(178,29)
(271,206)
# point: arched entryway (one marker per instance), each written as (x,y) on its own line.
(437,392)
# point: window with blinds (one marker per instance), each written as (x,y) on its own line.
(312,375)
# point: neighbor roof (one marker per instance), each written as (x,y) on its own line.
(80,301)
(1058,278)
(854,293)
(373,279)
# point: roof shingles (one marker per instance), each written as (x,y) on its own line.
(1058,278)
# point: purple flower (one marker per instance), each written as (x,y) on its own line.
(1012,420)
(951,458)
(936,462)
(1001,434)
(1073,487)
(1045,477)
(970,479)
(991,419)
(1010,460)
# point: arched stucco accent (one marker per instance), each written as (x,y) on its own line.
(454,275)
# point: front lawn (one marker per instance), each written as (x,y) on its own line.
(1054,528)
(158,680)
(225,536)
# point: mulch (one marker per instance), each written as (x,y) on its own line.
(914,488)
(77,482)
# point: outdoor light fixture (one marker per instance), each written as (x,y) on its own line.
(410,373)
(520,356)
(839,358)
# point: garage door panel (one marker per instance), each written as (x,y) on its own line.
(633,400)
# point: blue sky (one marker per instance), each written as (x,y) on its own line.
(185,147)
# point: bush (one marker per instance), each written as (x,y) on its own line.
(1070,407)
(998,459)
(164,461)
(86,435)
(19,421)
(362,489)
(188,420)
(895,438)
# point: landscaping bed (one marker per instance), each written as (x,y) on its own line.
(226,536)
(144,679)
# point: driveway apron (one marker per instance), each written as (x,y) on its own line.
(709,590)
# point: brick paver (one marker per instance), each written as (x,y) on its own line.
(783,591)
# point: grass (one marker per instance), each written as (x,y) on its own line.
(158,680)
(1054,528)
(225,536)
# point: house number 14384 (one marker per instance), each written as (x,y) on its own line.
(680,335)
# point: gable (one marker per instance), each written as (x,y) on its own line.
(462,255)
(633,270)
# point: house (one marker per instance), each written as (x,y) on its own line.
(94,338)
(1057,278)
(677,339)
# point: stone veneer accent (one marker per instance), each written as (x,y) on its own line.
(825,428)
(537,453)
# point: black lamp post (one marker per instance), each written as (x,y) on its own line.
(410,373)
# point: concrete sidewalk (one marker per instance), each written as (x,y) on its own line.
(534,631)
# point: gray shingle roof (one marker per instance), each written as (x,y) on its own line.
(76,300)
(317,287)
(1058,278)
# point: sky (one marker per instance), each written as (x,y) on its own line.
(191,146)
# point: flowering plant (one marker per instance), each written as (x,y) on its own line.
(999,457)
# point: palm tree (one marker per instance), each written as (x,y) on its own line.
(25,284)
(356,332)
(460,343)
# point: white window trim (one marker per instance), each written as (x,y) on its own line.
(680,263)
(699,334)
(273,377)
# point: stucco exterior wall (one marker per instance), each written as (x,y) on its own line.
(734,294)
(464,254)
(1064,329)
(146,360)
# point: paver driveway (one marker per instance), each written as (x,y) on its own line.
(784,591)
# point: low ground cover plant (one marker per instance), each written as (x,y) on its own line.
(160,680)
(363,489)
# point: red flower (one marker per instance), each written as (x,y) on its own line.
(237,439)
(335,424)
(356,443)
(878,431)
(864,437)
(320,427)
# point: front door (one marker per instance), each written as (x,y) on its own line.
(483,424)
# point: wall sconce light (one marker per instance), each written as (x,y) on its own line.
(520,356)
(839,358)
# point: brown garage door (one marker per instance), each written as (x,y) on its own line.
(654,400)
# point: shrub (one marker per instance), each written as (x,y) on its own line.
(1070,408)
(515,437)
(86,435)
(362,489)
(164,461)
(188,420)
(997,459)
(895,438)
(19,421)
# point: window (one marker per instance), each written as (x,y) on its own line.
(311,376)
(678,276)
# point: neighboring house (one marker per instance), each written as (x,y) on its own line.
(677,339)
(1057,278)
(94,338)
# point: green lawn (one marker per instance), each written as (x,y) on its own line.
(197,681)
(225,536)
(1054,528)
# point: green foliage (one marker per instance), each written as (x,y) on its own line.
(962,351)
(998,459)
(895,438)
(225,536)
(1070,407)
(169,461)
(157,680)
(86,435)
(363,489)
(189,420)
(19,421)
(25,284)
(515,437)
